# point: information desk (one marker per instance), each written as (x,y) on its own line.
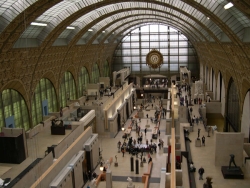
(12,149)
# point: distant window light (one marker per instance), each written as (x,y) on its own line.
(90,30)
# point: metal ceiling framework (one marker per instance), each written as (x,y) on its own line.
(86,14)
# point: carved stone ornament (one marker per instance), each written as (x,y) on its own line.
(154,59)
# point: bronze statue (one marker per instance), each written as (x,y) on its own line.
(232,161)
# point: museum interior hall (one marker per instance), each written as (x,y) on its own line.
(124,93)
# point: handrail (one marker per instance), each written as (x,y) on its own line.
(173,157)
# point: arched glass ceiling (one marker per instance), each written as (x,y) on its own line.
(116,26)
(128,21)
(90,17)
(93,15)
(124,29)
(10,9)
(233,18)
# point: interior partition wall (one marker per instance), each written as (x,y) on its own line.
(13,108)
(173,45)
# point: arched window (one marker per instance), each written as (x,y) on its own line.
(83,80)
(232,117)
(95,73)
(67,89)
(106,69)
(172,44)
(44,101)
(13,110)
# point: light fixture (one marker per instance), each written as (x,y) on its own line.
(229,5)
(103,31)
(123,129)
(208,18)
(101,166)
(69,27)
(90,30)
(38,24)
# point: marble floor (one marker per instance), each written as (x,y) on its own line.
(201,156)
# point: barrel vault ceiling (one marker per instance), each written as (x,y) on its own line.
(69,25)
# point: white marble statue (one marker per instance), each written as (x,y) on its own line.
(198,88)
(130,183)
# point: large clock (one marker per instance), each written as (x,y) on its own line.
(154,59)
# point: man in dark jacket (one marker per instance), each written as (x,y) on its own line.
(201,172)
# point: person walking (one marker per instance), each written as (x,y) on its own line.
(201,172)
(147,115)
(159,132)
(145,131)
(203,140)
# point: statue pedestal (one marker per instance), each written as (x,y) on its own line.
(198,143)
(232,173)
(108,179)
(131,186)
(116,164)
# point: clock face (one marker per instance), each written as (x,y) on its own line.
(154,59)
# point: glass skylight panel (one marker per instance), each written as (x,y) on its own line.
(32,32)
(9,9)
(65,33)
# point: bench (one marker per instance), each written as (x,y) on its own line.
(150,166)
(145,180)
(101,177)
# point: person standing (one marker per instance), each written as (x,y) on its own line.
(191,110)
(201,172)
(203,140)
(145,131)
(147,115)
(123,151)
(159,132)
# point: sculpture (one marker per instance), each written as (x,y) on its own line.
(130,183)
(198,88)
(232,161)
(198,134)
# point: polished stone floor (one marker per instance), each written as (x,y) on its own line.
(201,156)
